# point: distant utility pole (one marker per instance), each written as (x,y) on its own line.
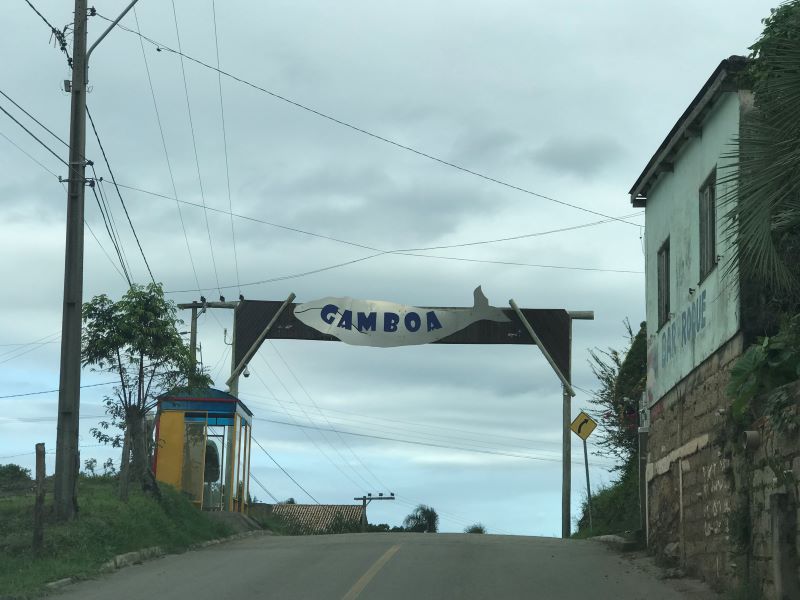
(198,308)
(369,498)
(67,458)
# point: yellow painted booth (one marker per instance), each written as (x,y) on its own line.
(203,447)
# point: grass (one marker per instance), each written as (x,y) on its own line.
(615,507)
(104,528)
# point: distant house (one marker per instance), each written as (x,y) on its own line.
(310,519)
(697,324)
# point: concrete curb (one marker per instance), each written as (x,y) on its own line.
(139,556)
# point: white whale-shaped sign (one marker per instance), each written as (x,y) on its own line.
(385,324)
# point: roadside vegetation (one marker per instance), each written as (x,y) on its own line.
(104,528)
(621,377)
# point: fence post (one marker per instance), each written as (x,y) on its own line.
(38,507)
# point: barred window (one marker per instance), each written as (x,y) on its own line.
(663,284)
(708,225)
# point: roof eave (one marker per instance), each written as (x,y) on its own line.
(687,127)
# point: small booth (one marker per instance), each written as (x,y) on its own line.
(203,447)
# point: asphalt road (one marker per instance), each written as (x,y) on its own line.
(390,566)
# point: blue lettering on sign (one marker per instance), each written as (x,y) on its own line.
(680,332)
(346,322)
(433,321)
(390,321)
(328,313)
(367,322)
(413,322)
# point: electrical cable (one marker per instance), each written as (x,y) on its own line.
(34,119)
(261,485)
(285,472)
(431,444)
(166,154)
(225,143)
(366,132)
(111,236)
(18,147)
(53,391)
(114,181)
(35,137)
(194,146)
(294,420)
(375,478)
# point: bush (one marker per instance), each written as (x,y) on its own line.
(476,528)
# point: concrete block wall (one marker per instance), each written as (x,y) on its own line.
(700,483)
(690,488)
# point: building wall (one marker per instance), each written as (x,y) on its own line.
(704,320)
(689,484)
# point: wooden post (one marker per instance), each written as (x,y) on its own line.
(38,507)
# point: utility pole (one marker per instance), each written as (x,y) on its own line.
(65,494)
(67,458)
(566,458)
(369,498)
(198,308)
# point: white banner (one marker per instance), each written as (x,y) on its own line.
(385,324)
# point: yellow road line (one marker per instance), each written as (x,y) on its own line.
(359,585)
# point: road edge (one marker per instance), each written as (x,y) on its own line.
(120,561)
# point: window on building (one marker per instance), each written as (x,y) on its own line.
(663,284)
(708,225)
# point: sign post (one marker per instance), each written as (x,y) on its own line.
(583,426)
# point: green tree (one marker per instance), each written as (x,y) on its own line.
(423,519)
(622,376)
(136,339)
(476,528)
(765,177)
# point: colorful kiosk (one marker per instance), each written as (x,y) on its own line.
(203,447)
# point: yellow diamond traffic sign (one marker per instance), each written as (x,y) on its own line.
(583,425)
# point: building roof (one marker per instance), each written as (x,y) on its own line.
(723,79)
(318,518)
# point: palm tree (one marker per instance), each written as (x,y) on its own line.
(765,217)
(423,520)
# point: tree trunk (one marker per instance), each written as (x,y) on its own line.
(125,465)
(141,471)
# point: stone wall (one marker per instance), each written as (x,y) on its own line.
(724,513)
(688,473)
(767,492)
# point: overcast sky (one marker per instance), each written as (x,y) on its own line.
(565,100)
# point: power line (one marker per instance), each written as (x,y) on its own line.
(53,391)
(35,137)
(285,472)
(339,435)
(18,147)
(34,119)
(225,142)
(58,34)
(310,420)
(37,342)
(114,241)
(166,154)
(261,485)
(520,264)
(114,181)
(194,146)
(430,444)
(366,132)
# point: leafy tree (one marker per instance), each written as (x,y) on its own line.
(765,194)
(423,519)
(13,477)
(622,376)
(476,528)
(136,339)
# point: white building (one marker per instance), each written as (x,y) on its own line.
(694,322)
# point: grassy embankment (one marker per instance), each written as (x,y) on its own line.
(615,507)
(105,528)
